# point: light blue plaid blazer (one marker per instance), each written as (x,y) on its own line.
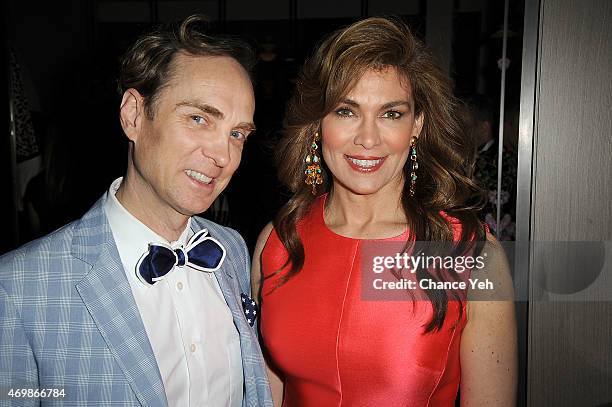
(68,319)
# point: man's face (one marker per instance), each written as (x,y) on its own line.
(186,154)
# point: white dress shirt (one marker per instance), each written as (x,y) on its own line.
(188,322)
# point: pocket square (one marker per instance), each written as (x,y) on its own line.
(250,307)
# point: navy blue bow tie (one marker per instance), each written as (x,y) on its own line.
(202,252)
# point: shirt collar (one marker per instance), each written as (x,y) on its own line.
(132,237)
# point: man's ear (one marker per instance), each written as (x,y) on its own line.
(131,113)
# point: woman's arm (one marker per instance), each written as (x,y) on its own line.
(489,342)
(276,384)
(256,275)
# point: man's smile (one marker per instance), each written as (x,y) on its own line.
(198,176)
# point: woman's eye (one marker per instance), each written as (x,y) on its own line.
(198,119)
(344,112)
(238,134)
(392,114)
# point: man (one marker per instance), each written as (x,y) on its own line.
(139,301)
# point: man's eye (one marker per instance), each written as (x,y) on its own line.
(392,114)
(198,119)
(237,134)
(344,112)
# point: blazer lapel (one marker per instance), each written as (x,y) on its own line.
(230,291)
(229,277)
(229,288)
(106,293)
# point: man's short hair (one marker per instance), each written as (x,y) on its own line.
(147,64)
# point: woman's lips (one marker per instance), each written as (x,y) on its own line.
(364,164)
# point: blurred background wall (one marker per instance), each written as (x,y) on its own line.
(68,56)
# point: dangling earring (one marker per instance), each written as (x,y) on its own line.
(313,166)
(415,165)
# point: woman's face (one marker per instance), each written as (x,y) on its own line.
(366,138)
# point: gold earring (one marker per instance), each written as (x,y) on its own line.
(415,165)
(313,166)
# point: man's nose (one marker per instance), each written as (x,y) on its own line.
(217,148)
(368,134)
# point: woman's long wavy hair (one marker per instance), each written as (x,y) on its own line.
(445,152)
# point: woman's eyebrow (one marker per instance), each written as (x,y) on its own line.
(387,105)
(396,103)
(349,102)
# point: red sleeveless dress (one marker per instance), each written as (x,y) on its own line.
(335,349)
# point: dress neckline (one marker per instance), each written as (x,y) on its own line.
(320,218)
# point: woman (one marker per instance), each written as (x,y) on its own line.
(374,152)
